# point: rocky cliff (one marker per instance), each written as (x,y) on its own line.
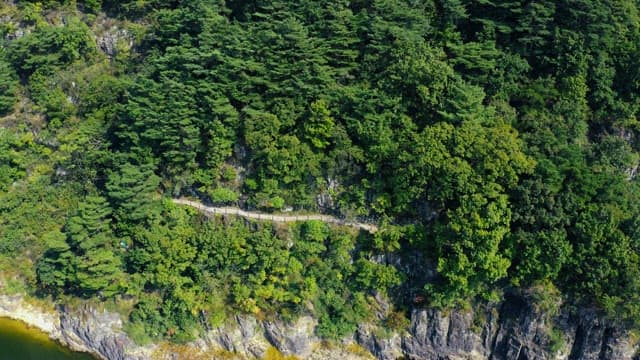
(511,330)
(85,329)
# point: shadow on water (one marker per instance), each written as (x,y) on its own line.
(20,342)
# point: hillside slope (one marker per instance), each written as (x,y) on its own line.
(493,145)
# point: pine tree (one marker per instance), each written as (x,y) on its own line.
(319,127)
(162,118)
(334,22)
(535,29)
(132,189)
(55,267)
(96,267)
(8,87)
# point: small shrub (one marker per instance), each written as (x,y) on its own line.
(137,332)
(556,340)
(228,173)
(359,351)
(223,195)
(274,354)
(546,298)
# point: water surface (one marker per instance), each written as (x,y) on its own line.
(20,342)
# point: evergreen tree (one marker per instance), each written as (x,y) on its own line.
(97,266)
(8,87)
(55,268)
(319,127)
(132,189)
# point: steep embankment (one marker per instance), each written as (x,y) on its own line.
(85,329)
(512,329)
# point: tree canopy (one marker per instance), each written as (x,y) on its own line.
(496,141)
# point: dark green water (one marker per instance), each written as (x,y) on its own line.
(19,342)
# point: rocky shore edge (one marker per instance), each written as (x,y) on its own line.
(511,329)
(97,333)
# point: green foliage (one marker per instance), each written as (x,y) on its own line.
(8,87)
(55,268)
(11,163)
(132,191)
(318,128)
(96,265)
(376,276)
(251,271)
(50,46)
(496,142)
(556,340)
(83,258)
(223,195)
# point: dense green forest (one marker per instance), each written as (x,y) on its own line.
(495,142)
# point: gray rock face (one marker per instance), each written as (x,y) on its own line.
(436,335)
(243,337)
(83,329)
(96,331)
(521,333)
(295,339)
(511,330)
(596,338)
(109,41)
(384,348)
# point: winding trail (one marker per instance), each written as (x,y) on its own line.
(273,217)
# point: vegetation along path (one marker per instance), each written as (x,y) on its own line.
(273,217)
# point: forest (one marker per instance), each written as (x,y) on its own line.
(494,142)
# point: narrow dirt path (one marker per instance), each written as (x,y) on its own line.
(273,217)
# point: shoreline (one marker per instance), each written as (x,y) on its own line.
(83,329)
(15,308)
(24,340)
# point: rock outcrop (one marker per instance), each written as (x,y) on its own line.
(85,329)
(97,332)
(112,39)
(511,330)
